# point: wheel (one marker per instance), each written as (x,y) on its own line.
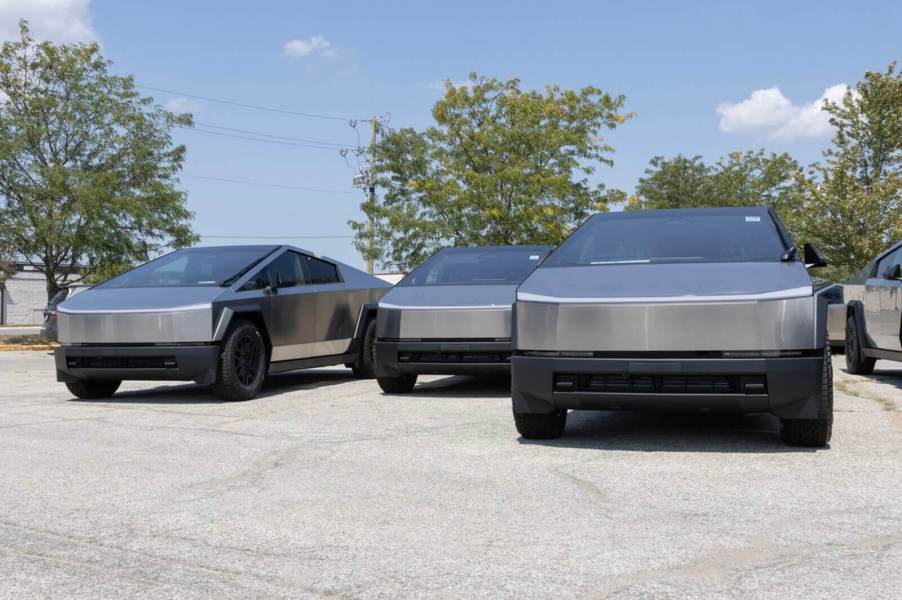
(856,362)
(813,432)
(540,427)
(401,384)
(364,366)
(242,363)
(93,389)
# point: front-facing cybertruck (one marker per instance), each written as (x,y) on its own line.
(225,316)
(709,310)
(451,315)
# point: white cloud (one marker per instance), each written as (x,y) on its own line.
(317,45)
(61,21)
(183,105)
(770,114)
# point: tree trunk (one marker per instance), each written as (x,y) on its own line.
(52,286)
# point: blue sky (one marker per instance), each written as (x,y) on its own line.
(702,77)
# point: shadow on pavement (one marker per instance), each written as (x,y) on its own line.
(460,386)
(656,432)
(192,393)
(890,377)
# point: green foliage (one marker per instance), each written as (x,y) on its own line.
(501,165)
(739,179)
(853,201)
(87,165)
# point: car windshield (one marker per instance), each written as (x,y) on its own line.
(474,266)
(660,237)
(191,267)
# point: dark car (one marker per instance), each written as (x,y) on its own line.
(452,315)
(49,329)
(225,316)
(708,310)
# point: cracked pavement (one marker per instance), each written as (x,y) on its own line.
(323,486)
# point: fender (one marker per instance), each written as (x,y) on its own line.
(368,312)
(856,309)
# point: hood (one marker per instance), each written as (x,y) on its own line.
(146,299)
(668,282)
(449,296)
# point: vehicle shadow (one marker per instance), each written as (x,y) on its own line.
(677,432)
(888,376)
(463,386)
(192,393)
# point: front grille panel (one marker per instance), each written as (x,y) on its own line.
(454,357)
(624,383)
(121,362)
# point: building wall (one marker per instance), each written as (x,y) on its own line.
(24,298)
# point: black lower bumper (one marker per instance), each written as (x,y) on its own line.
(787,387)
(177,363)
(394,358)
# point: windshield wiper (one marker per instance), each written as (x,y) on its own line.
(788,255)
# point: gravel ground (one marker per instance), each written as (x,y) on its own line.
(323,486)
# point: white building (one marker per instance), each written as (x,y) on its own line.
(23,297)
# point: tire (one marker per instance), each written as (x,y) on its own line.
(540,427)
(856,362)
(364,367)
(93,389)
(813,433)
(402,384)
(242,363)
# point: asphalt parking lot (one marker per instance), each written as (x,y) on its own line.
(323,486)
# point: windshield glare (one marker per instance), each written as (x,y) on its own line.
(475,266)
(190,267)
(659,237)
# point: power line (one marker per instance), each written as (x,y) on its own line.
(270,135)
(276,237)
(264,141)
(249,106)
(270,185)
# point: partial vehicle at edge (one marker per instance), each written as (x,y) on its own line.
(710,310)
(225,316)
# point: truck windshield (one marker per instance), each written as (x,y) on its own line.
(659,237)
(475,266)
(191,267)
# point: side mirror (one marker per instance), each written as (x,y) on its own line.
(813,257)
(894,272)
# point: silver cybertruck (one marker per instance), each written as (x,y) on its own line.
(451,315)
(225,316)
(872,313)
(692,309)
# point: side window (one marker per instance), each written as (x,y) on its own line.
(258,281)
(888,262)
(286,271)
(321,271)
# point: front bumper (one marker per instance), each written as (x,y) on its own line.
(176,363)
(459,357)
(789,387)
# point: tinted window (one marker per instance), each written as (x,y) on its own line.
(471,266)
(191,267)
(671,237)
(320,271)
(888,262)
(286,270)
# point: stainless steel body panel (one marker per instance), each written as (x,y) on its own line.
(836,322)
(667,307)
(446,312)
(879,301)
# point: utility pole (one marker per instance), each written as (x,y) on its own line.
(371,224)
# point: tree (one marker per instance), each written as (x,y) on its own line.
(739,179)
(501,165)
(87,165)
(853,201)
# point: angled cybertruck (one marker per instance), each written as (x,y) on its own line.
(870,321)
(451,315)
(225,316)
(695,309)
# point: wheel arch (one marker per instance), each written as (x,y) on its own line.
(230,316)
(855,310)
